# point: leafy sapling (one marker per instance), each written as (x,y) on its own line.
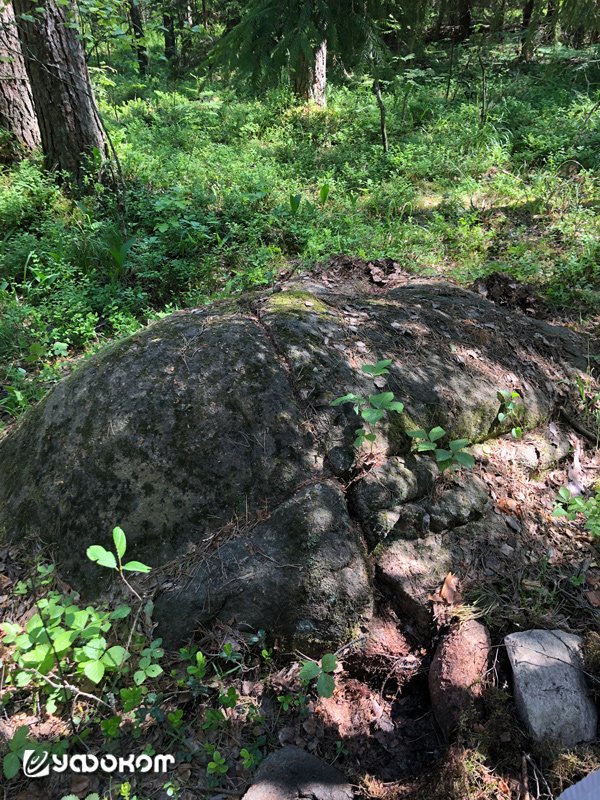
(509,401)
(322,672)
(107,559)
(570,506)
(371,408)
(452,458)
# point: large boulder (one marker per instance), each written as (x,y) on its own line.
(202,433)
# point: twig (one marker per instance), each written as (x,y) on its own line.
(65,685)
(577,426)
(525,778)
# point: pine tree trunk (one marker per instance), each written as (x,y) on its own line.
(64,100)
(170,41)
(318,89)
(17,112)
(310,83)
(527,12)
(138,32)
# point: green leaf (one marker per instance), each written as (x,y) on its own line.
(114,657)
(325,685)
(324,193)
(369,369)
(64,640)
(443,465)
(163,227)
(381,400)
(19,740)
(154,670)
(372,415)
(423,446)
(380,367)
(120,541)
(371,437)
(466,459)
(559,512)
(436,433)
(501,417)
(564,493)
(419,434)
(458,444)
(102,556)
(347,398)
(11,765)
(309,671)
(136,566)
(139,677)
(95,648)
(121,612)
(443,455)
(396,406)
(94,670)
(328,662)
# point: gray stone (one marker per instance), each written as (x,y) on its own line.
(377,499)
(292,773)
(549,686)
(413,569)
(301,573)
(586,789)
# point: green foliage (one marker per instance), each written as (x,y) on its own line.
(452,458)
(509,401)
(322,672)
(371,408)
(571,506)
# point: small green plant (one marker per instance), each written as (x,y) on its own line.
(509,402)
(147,667)
(322,672)
(218,765)
(371,408)
(577,580)
(452,458)
(570,506)
(107,559)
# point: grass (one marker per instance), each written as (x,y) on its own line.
(209,174)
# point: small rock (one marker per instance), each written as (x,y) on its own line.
(291,773)
(549,687)
(460,662)
(586,789)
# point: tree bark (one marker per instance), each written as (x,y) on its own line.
(310,83)
(64,100)
(170,41)
(138,32)
(527,12)
(318,89)
(377,93)
(17,112)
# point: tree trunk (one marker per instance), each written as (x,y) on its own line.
(318,89)
(17,112)
(460,20)
(64,100)
(170,41)
(527,12)
(204,15)
(311,83)
(138,32)
(377,93)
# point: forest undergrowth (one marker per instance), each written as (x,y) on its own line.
(223,191)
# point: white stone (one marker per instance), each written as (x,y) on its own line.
(549,686)
(587,789)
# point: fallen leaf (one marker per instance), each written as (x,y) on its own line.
(508,505)
(594,598)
